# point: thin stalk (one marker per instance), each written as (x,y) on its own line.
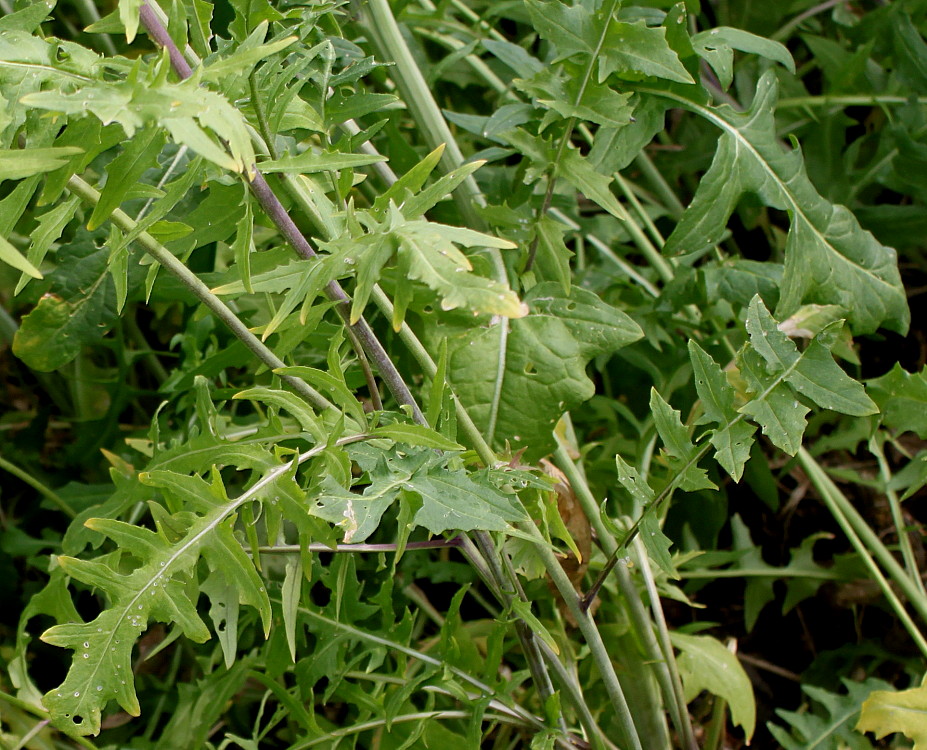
(868,546)
(41,714)
(894,504)
(196,287)
(388,40)
(360,334)
(660,186)
(591,635)
(786,30)
(681,721)
(574,693)
(661,656)
(87,10)
(622,264)
(861,100)
(639,209)
(47,492)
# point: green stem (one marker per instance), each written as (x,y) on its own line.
(661,187)
(38,486)
(639,209)
(196,287)
(672,691)
(662,659)
(591,635)
(868,546)
(894,504)
(387,38)
(40,713)
(862,100)
(416,93)
(571,687)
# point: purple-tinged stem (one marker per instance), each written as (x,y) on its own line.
(358,332)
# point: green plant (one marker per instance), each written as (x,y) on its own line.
(327,285)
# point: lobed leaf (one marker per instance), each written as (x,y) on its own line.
(829,258)
(544,357)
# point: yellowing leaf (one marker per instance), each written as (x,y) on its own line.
(885,712)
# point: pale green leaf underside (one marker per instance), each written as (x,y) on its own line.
(705,664)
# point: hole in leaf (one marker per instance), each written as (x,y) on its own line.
(78,720)
(530,369)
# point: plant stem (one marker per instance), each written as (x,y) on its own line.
(592,637)
(660,654)
(290,549)
(416,93)
(38,486)
(868,545)
(894,504)
(196,287)
(862,100)
(40,713)
(670,200)
(361,335)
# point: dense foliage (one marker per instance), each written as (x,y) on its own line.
(503,374)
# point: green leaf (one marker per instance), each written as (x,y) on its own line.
(829,259)
(193,115)
(572,167)
(773,405)
(449,499)
(129,15)
(544,357)
(15,164)
(776,373)
(246,56)
(716,46)
(417,435)
(563,94)
(812,373)
(885,712)
(452,500)
(733,437)
(570,28)
(902,399)
(243,246)
(427,251)
(310,162)
(290,402)
(682,454)
(705,664)
(125,171)
(634,48)
(332,386)
(12,257)
(78,310)
(50,226)
(155,590)
(828,721)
